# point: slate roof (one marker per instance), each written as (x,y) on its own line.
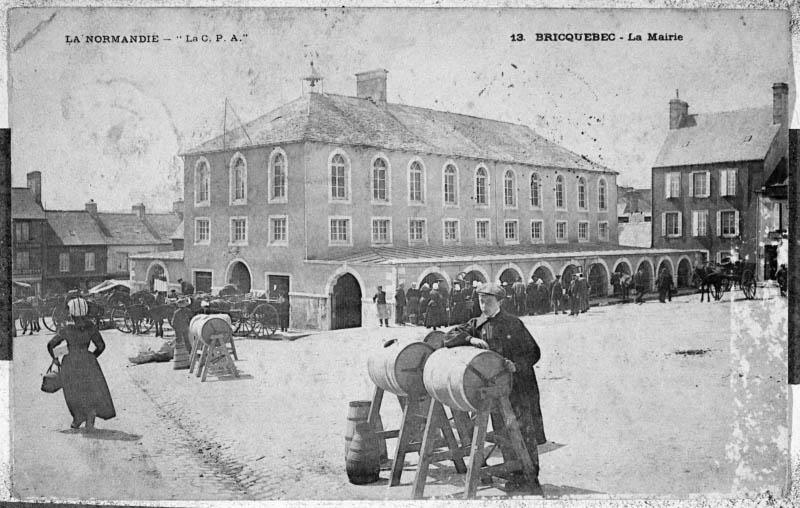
(75,227)
(635,234)
(635,201)
(730,136)
(23,206)
(178,233)
(164,224)
(163,255)
(388,255)
(126,229)
(344,120)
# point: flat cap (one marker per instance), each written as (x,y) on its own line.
(490,288)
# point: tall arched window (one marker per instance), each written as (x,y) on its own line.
(601,195)
(416,189)
(481,184)
(339,182)
(582,193)
(560,192)
(238,180)
(380,174)
(278,177)
(509,185)
(202,183)
(450,185)
(536,184)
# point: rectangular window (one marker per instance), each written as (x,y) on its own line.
(416,230)
(450,188)
(699,222)
(88,261)
(238,230)
(379,182)
(672,185)
(415,187)
(728,223)
(510,231)
(536,230)
(700,184)
(202,232)
(202,282)
(561,231)
(22,232)
(22,261)
(63,262)
(481,230)
(602,231)
(340,231)
(338,182)
(583,231)
(381,231)
(451,231)
(672,226)
(727,182)
(278,233)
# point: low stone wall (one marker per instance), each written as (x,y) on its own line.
(308,311)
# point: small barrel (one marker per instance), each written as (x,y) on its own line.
(397,366)
(455,377)
(363,462)
(357,412)
(205,326)
(435,339)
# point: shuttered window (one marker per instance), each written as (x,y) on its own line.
(727,182)
(671,224)
(728,223)
(699,222)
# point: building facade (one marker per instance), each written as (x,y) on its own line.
(329,196)
(28,229)
(708,175)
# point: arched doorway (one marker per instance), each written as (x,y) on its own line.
(434,277)
(156,272)
(346,303)
(622,267)
(665,265)
(566,275)
(474,275)
(545,274)
(684,273)
(240,277)
(510,276)
(648,274)
(598,280)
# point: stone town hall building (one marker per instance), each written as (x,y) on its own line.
(329,196)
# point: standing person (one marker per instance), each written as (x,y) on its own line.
(400,305)
(283,310)
(542,297)
(519,297)
(412,301)
(584,292)
(383,312)
(457,314)
(85,389)
(639,283)
(474,300)
(664,284)
(780,277)
(435,315)
(557,295)
(186,287)
(506,335)
(424,297)
(574,296)
(531,297)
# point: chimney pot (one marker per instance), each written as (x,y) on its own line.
(177,207)
(35,185)
(780,103)
(678,111)
(138,209)
(372,85)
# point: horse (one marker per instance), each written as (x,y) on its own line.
(622,283)
(27,311)
(159,313)
(705,277)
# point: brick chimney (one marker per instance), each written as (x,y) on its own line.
(177,207)
(372,85)
(91,207)
(35,185)
(678,111)
(138,209)
(780,103)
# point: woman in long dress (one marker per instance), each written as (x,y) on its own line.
(85,388)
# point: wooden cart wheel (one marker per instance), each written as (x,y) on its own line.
(264,320)
(119,317)
(47,319)
(726,284)
(748,285)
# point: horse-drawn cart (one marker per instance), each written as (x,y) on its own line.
(719,278)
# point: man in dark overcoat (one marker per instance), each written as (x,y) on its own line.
(506,335)
(400,305)
(557,295)
(475,300)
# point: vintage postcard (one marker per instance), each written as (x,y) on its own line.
(405,254)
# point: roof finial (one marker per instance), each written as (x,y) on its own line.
(676,94)
(313,78)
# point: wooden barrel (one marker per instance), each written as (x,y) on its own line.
(357,412)
(204,326)
(454,376)
(397,366)
(363,462)
(435,339)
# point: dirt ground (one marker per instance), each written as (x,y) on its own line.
(654,400)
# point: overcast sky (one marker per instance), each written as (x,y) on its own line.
(107,121)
